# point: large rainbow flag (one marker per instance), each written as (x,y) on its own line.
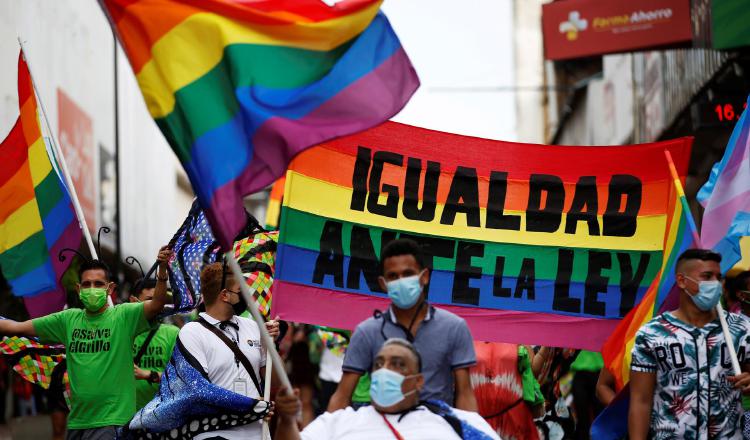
(37,219)
(533,244)
(239,88)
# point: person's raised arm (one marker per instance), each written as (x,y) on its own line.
(343,395)
(155,305)
(465,398)
(641,400)
(8,327)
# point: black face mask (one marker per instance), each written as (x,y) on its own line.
(240,306)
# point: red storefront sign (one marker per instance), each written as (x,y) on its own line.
(580,28)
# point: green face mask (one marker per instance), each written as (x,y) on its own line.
(93,298)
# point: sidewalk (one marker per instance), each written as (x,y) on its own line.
(27,428)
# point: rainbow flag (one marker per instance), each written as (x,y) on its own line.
(531,244)
(37,219)
(662,294)
(273,210)
(239,88)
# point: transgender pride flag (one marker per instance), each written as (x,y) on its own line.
(726,197)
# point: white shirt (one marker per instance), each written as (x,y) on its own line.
(219,362)
(368,424)
(330,366)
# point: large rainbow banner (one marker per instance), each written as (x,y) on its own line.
(532,244)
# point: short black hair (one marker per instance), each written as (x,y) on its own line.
(143,284)
(696,254)
(402,246)
(407,345)
(94,265)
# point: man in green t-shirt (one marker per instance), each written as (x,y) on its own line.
(151,360)
(99,341)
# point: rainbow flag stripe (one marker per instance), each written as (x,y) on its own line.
(37,219)
(273,210)
(661,295)
(239,88)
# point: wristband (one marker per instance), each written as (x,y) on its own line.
(153,377)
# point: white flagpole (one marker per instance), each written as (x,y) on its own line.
(272,355)
(267,394)
(63,168)
(696,237)
(63,165)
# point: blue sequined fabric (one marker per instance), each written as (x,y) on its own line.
(187,404)
(469,432)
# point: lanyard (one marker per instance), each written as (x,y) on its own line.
(393,430)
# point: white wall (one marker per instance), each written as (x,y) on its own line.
(70,47)
(605,114)
(529,70)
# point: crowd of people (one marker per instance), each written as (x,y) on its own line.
(412,371)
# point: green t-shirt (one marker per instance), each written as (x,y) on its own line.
(361,393)
(588,361)
(155,358)
(99,360)
(532,392)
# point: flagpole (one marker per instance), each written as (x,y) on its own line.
(63,165)
(267,394)
(273,355)
(696,237)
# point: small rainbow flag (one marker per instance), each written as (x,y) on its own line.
(37,219)
(239,88)
(661,295)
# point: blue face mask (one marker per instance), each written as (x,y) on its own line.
(404,292)
(709,294)
(385,387)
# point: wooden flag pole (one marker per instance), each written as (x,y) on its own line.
(273,355)
(696,238)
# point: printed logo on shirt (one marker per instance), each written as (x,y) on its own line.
(153,358)
(253,342)
(89,341)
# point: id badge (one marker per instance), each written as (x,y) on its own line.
(239,386)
